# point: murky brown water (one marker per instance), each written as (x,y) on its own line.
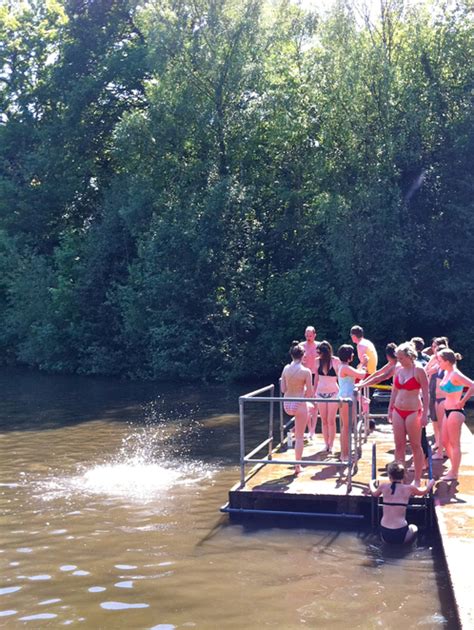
(109,498)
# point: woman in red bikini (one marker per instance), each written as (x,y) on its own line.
(452,385)
(296,382)
(407,412)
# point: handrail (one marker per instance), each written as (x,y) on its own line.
(257,391)
(256,396)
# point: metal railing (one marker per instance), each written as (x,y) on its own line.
(355,430)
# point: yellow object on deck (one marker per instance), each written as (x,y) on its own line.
(385,387)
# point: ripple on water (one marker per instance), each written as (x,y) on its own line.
(39,578)
(96,589)
(125,584)
(38,617)
(121,605)
(68,567)
(9,589)
(8,613)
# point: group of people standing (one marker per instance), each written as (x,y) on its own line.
(316,372)
(426,383)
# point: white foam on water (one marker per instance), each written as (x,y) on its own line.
(129,480)
(142,470)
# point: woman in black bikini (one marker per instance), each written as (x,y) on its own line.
(326,386)
(435,375)
(452,385)
(396,495)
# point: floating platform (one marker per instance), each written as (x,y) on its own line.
(321,492)
(318,491)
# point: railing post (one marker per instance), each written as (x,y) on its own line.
(282,430)
(375,501)
(242,443)
(366,394)
(350,430)
(270,424)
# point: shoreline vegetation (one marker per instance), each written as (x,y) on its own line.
(184,187)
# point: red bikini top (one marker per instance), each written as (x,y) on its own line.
(411,384)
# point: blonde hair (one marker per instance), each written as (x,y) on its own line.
(408,349)
(449,355)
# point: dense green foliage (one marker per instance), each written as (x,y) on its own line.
(184,186)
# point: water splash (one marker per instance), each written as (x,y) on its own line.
(145,468)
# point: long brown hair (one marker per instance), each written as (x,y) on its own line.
(325,355)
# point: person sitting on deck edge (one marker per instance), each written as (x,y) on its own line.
(394,528)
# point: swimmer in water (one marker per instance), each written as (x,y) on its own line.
(394,528)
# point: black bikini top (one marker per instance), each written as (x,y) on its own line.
(331,371)
(393,485)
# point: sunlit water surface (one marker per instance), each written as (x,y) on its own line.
(110,496)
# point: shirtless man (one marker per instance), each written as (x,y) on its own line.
(311,355)
(364,346)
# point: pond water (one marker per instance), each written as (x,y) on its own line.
(109,497)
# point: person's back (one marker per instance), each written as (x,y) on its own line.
(364,347)
(367,347)
(394,528)
(296,377)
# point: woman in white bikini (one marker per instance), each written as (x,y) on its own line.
(296,382)
(452,385)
